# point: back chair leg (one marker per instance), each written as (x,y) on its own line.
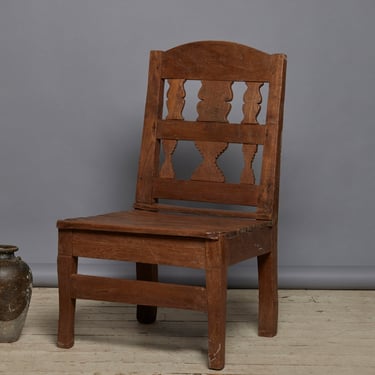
(268,294)
(147,272)
(216,288)
(67,265)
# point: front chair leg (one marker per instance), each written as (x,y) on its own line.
(147,272)
(268,294)
(67,265)
(216,287)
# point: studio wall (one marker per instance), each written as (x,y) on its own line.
(72,89)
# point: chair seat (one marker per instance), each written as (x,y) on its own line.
(161,223)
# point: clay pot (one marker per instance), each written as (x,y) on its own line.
(15,293)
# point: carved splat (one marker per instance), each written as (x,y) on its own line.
(214,106)
(252,102)
(175,105)
(247,175)
(251,108)
(175,99)
(215,97)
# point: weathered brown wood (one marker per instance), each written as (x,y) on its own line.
(248,245)
(248,175)
(252,99)
(201,211)
(216,131)
(139,292)
(206,191)
(136,248)
(149,158)
(67,265)
(175,105)
(175,99)
(213,106)
(216,60)
(250,109)
(216,283)
(270,174)
(147,272)
(268,292)
(192,227)
(204,238)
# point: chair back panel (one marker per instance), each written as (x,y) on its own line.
(217,65)
(215,60)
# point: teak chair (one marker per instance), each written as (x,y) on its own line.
(157,231)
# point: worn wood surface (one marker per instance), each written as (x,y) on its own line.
(152,235)
(320,333)
(216,65)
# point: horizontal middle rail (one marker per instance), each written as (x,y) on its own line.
(206,191)
(139,292)
(211,131)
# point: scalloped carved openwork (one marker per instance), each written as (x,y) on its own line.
(251,108)
(214,106)
(175,105)
(252,99)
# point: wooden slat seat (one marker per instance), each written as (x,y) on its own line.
(170,224)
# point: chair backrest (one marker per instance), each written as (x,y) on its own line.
(217,65)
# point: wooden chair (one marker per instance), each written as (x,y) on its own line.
(157,231)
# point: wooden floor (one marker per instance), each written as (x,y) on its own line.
(320,332)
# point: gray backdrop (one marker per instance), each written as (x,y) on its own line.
(72,90)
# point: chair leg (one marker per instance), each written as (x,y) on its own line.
(268,294)
(216,287)
(147,272)
(67,265)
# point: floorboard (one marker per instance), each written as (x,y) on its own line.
(320,332)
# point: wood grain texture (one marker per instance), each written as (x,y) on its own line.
(175,105)
(210,60)
(149,159)
(213,106)
(136,248)
(139,292)
(67,264)
(215,131)
(250,109)
(164,223)
(207,191)
(206,238)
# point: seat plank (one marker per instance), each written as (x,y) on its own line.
(168,224)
